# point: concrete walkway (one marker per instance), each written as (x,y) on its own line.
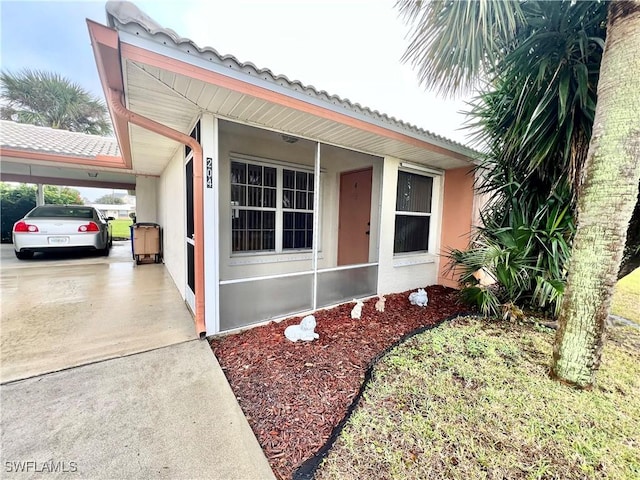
(102,377)
(166,413)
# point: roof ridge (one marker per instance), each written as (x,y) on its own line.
(62,131)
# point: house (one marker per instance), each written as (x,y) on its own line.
(274,198)
(127,199)
(119,211)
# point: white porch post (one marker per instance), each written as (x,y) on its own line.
(40,195)
(209,142)
(316,223)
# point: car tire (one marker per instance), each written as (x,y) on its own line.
(105,252)
(26,255)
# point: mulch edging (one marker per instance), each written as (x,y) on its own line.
(297,395)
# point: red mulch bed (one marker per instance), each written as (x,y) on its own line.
(294,393)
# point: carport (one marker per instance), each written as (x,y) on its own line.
(42,155)
(63,311)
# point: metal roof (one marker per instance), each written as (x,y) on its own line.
(32,138)
(127,17)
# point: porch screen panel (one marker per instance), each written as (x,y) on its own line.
(191,272)
(338,286)
(297,204)
(249,302)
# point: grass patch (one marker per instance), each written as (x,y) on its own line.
(120,228)
(472,399)
(626,299)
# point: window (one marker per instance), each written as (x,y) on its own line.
(271,208)
(413,213)
(62,212)
(297,205)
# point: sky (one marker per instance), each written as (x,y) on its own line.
(350,48)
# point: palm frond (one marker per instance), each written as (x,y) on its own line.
(49,99)
(453,42)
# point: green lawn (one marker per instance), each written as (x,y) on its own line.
(120,228)
(473,399)
(626,300)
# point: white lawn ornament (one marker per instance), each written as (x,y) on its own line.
(380,303)
(304,331)
(356,313)
(419,298)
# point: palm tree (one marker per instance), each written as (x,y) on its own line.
(605,203)
(533,116)
(537,65)
(48,99)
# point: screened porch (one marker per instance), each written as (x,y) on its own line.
(299,224)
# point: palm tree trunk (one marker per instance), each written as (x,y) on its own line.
(605,202)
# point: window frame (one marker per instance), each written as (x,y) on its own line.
(408,213)
(279,208)
(252,208)
(309,175)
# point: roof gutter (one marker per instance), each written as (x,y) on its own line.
(117,107)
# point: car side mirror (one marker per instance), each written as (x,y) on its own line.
(110,218)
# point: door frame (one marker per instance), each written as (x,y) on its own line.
(189,294)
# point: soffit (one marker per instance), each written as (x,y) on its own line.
(176,100)
(153,99)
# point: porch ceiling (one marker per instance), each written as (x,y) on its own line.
(176,100)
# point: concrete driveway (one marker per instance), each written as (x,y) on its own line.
(102,377)
(67,310)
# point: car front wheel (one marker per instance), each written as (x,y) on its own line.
(23,255)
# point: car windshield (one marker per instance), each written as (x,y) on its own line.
(64,212)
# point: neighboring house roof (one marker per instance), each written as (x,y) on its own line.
(121,14)
(33,154)
(113,206)
(31,138)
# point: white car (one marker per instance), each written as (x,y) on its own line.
(62,227)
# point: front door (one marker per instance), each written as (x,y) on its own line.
(190,295)
(355,217)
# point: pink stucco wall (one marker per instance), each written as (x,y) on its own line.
(457,218)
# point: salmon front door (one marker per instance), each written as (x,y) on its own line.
(355,217)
